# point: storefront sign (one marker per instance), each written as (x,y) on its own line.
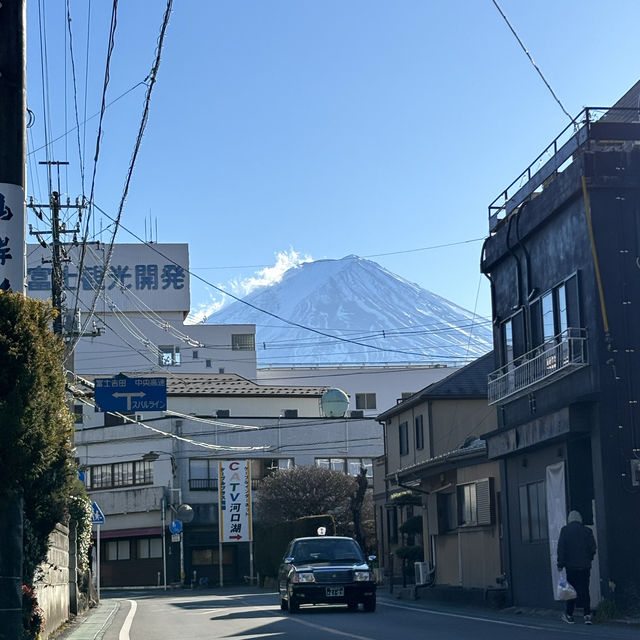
(235,501)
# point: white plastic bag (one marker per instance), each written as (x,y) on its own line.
(564,591)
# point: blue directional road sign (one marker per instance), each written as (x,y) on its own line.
(175,526)
(122,394)
(97,517)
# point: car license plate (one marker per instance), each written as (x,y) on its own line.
(334,592)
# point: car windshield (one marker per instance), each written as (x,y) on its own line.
(327,550)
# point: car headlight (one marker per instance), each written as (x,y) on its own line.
(362,576)
(304,576)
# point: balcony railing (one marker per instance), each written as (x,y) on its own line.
(559,356)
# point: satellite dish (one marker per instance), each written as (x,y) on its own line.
(185,513)
(334,403)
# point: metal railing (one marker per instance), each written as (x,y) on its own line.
(560,153)
(563,354)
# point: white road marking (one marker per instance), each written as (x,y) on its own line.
(126,627)
(463,616)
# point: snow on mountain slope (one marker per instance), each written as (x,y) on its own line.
(361,313)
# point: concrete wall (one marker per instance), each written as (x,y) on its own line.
(52,587)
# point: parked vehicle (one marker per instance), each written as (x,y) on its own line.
(328,570)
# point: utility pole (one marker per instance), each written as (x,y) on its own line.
(13,110)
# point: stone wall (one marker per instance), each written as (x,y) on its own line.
(52,585)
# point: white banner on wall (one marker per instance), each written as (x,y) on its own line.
(556,515)
(12,237)
(234,503)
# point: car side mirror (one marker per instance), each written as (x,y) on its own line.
(372,558)
(288,560)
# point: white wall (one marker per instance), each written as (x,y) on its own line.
(387,382)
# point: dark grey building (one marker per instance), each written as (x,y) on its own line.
(563,259)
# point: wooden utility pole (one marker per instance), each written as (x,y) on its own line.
(13,110)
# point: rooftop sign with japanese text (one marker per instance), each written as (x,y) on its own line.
(138,275)
(235,501)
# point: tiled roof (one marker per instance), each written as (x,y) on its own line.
(468,382)
(221,384)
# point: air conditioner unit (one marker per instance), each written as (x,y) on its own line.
(422,572)
(290,413)
(357,413)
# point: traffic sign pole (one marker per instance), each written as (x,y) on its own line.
(98,563)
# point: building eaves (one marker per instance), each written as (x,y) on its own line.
(469,382)
(477,449)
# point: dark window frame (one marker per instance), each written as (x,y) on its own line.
(403,438)
(419,432)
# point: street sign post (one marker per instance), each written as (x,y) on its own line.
(97,518)
(122,394)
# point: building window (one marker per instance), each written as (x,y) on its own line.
(403,432)
(203,474)
(220,369)
(119,474)
(533,512)
(548,325)
(419,432)
(149,548)
(207,364)
(77,414)
(365,400)
(467,509)
(195,355)
(351,466)
(118,550)
(243,342)
(169,356)
(263,467)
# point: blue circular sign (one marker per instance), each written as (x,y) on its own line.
(175,526)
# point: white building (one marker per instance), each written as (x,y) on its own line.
(139,311)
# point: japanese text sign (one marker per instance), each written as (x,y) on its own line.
(235,501)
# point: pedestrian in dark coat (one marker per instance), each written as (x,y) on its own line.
(576,548)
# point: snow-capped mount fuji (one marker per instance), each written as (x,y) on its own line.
(361,313)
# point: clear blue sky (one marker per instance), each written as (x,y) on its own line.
(325,127)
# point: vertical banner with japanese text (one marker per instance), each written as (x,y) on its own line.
(235,501)
(12,238)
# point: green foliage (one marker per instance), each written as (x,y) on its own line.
(289,494)
(80,513)
(35,439)
(412,526)
(405,497)
(271,541)
(410,554)
(606,610)
(32,614)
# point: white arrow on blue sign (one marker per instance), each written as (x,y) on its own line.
(97,517)
(175,526)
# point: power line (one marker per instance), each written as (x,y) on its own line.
(535,66)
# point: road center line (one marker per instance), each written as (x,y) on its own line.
(126,627)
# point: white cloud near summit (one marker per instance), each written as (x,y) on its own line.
(241,287)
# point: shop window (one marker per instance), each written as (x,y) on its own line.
(149,548)
(533,512)
(117,550)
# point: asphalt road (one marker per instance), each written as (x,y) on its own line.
(253,613)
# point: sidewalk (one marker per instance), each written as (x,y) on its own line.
(92,625)
(406,594)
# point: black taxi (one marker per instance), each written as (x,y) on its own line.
(326,570)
